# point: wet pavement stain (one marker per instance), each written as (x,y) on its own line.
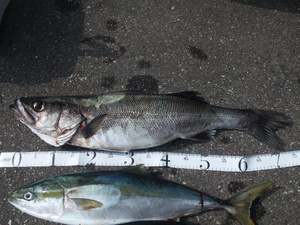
(111,24)
(123,50)
(235,186)
(143,84)
(197,53)
(257,211)
(143,64)
(225,139)
(100,46)
(108,82)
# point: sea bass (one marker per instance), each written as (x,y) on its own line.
(125,196)
(126,121)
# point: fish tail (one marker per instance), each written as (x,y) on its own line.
(263,125)
(239,205)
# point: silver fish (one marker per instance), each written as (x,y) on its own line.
(126,121)
(170,222)
(117,197)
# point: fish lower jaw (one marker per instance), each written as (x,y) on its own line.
(15,203)
(22,114)
(47,138)
(55,138)
(46,214)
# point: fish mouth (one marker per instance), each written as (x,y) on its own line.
(23,113)
(12,200)
(17,203)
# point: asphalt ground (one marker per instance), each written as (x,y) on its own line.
(239,54)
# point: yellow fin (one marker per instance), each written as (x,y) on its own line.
(239,205)
(86,204)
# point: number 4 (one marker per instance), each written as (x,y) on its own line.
(165,158)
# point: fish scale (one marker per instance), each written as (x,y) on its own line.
(126,121)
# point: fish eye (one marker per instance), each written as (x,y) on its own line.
(28,196)
(38,106)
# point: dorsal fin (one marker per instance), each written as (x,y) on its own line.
(194,95)
(137,170)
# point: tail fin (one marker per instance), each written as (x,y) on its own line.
(264,124)
(239,205)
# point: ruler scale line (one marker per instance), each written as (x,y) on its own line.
(226,163)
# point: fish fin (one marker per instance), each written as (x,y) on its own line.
(263,125)
(138,170)
(93,126)
(194,95)
(176,219)
(204,136)
(239,205)
(86,204)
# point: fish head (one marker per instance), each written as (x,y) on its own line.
(53,120)
(44,199)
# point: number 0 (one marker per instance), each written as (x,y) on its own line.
(16,159)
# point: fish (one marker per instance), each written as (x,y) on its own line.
(158,223)
(126,121)
(124,196)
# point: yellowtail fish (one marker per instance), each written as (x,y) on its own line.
(125,196)
(126,121)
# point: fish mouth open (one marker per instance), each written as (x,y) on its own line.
(22,112)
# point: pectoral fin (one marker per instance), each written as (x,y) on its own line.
(204,136)
(194,95)
(86,204)
(93,126)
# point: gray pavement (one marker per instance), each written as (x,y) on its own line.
(240,54)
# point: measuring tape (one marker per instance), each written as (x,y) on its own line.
(151,159)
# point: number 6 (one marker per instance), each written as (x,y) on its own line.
(243,166)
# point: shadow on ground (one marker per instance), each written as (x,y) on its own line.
(292,6)
(41,41)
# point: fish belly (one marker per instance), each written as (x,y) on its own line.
(141,134)
(131,209)
(129,197)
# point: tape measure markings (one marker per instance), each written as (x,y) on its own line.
(152,159)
